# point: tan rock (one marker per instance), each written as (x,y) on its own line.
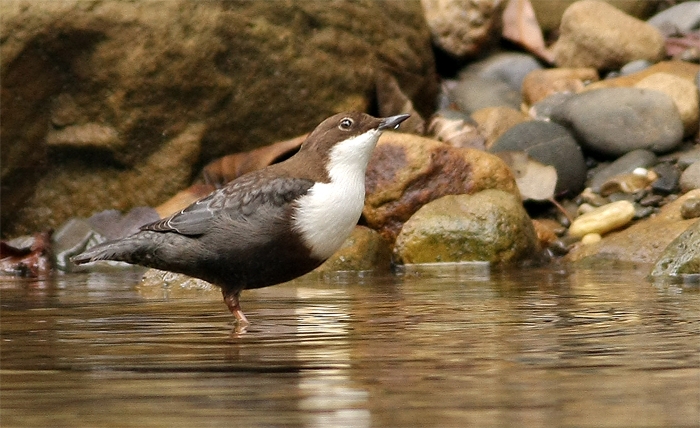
(603,219)
(598,35)
(494,121)
(682,69)
(407,171)
(684,94)
(549,12)
(463,28)
(539,84)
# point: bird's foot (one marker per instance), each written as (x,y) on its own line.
(234,306)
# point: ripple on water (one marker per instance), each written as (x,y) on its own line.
(449,345)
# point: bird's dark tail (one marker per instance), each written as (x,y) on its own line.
(124,250)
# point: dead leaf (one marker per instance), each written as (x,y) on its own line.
(520,26)
(227,168)
(220,171)
(535,180)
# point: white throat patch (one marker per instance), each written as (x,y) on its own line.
(328,213)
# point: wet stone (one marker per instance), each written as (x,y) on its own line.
(668,178)
(460,28)
(691,208)
(456,129)
(585,208)
(591,238)
(539,84)
(560,247)
(495,121)
(364,250)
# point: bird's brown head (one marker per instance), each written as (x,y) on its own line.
(343,127)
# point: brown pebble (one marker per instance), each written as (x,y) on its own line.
(691,208)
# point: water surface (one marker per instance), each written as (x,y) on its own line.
(451,346)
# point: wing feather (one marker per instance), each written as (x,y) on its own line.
(237,200)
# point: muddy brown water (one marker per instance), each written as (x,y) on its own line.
(451,346)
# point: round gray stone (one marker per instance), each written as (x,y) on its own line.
(683,17)
(615,121)
(550,144)
(473,93)
(510,67)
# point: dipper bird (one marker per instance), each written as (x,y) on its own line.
(268,226)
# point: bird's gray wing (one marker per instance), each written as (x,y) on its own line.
(236,201)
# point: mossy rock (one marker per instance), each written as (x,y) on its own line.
(491,225)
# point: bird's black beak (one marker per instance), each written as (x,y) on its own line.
(392,122)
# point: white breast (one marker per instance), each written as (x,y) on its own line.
(328,213)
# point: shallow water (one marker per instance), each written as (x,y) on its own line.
(451,346)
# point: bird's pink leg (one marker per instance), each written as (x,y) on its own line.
(231,299)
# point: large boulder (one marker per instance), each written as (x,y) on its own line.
(110,104)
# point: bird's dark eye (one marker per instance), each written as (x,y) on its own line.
(346,123)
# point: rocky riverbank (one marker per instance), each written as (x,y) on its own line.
(589,122)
